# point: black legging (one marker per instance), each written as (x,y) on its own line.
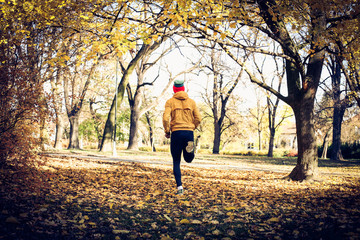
(179,140)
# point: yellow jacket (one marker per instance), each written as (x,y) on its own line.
(183,112)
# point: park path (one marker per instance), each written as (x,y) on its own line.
(165,159)
(208,162)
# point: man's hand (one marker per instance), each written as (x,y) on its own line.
(167,135)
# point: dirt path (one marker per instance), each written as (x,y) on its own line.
(239,163)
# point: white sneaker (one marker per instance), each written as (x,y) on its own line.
(180,192)
(190,147)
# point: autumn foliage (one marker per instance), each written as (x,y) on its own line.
(95,199)
(20,106)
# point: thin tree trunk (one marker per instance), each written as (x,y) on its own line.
(43,131)
(97,121)
(325,145)
(336,144)
(59,132)
(151,131)
(217,137)
(57,102)
(339,110)
(259,137)
(271,142)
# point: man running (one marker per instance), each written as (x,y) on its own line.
(180,118)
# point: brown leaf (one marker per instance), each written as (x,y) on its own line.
(12,219)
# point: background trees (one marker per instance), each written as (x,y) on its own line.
(26,45)
(303,53)
(220,92)
(62,43)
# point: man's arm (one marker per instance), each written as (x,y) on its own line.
(166,117)
(197,116)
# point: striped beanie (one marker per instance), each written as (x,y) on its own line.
(178,86)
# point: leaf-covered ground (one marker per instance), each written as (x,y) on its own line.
(88,199)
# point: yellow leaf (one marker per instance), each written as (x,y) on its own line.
(167,218)
(84,17)
(196,222)
(157,192)
(120,231)
(146,235)
(274,219)
(229,208)
(233,24)
(12,220)
(92,223)
(81,227)
(163,237)
(216,232)
(184,221)
(231,233)
(215,222)
(186,203)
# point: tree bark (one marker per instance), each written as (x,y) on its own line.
(217,137)
(59,132)
(97,121)
(134,123)
(271,142)
(301,94)
(107,136)
(146,49)
(339,110)
(110,121)
(307,163)
(336,141)
(325,145)
(57,102)
(74,131)
(135,103)
(151,131)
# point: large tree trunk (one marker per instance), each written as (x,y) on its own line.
(74,132)
(307,163)
(302,81)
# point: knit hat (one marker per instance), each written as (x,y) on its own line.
(178,85)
